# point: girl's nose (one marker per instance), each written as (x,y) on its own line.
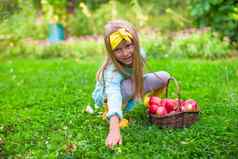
(125,52)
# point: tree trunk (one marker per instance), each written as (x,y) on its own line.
(71,6)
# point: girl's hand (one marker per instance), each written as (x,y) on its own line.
(114,136)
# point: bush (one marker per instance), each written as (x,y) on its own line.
(102,15)
(155,47)
(197,45)
(7,8)
(79,24)
(218,14)
(15,29)
(141,14)
(204,45)
(79,50)
(23,25)
(86,21)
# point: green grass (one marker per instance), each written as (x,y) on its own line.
(42,102)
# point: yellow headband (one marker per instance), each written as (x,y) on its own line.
(119,35)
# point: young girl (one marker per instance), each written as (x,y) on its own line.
(121,80)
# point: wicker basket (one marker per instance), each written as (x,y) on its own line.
(178,119)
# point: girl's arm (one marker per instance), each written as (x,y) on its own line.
(114,102)
(114,136)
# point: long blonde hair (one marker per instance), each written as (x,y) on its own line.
(137,64)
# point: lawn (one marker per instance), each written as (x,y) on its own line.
(42,103)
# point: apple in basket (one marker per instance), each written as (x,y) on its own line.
(151,100)
(189,105)
(169,104)
(161,111)
(153,108)
(154,100)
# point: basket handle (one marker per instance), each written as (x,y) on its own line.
(177,89)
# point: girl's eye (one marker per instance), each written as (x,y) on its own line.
(117,51)
(128,45)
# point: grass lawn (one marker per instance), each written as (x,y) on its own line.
(42,102)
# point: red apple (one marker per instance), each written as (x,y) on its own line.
(151,100)
(161,111)
(183,109)
(153,108)
(154,100)
(188,108)
(189,105)
(163,102)
(170,105)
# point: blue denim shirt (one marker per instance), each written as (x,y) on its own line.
(110,88)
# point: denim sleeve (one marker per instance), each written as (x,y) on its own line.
(98,95)
(143,54)
(113,93)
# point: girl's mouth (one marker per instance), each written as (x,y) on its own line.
(127,59)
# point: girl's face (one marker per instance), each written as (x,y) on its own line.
(124,52)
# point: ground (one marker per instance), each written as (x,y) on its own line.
(42,103)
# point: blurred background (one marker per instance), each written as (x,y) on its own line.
(73,28)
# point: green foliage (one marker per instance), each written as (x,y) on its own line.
(155,46)
(102,15)
(203,45)
(79,24)
(23,23)
(80,50)
(21,26)
(54,10)
(197,45)
(7,8)
(166,23)
(154,19)
(158,8)
(219,14)
(166,16)
(141,14)
(94,4)
(42,103)
(88,21)
(91,16)
(16,29)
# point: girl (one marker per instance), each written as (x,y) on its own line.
(121,80)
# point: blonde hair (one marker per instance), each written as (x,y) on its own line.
(137,64)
